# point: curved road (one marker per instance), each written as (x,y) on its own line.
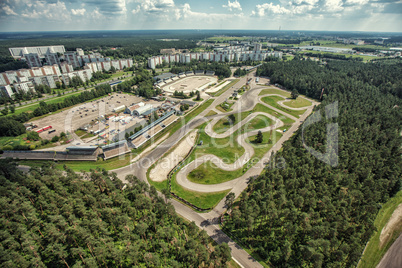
(210,221)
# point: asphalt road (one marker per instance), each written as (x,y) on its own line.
(210,221)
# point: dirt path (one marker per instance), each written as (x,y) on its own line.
(166,164)
(394,221)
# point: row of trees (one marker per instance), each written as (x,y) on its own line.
(61,220)
(309,213)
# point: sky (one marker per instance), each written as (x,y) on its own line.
(315,15)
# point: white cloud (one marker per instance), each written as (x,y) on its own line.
(6,9)
(262,10)
(51,11)
(356,2)
(233,5)
(154,6)
(79,12)
(332,6)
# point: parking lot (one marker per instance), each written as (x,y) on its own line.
(87,114)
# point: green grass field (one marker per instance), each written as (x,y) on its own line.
(226,148)
(201,200)
(223,124)
(258,122)
(273,101)
(262,108)
(211,113)
(209,173)
(374,253)
(297,103)
(272,90)
(19,140)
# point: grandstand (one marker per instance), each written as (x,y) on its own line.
(152,129)
(115,149)
(210,73)
(71,155)
(199,72)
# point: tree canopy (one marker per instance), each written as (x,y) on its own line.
(60,220)
(310,213)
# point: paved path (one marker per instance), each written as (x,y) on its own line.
(393,257)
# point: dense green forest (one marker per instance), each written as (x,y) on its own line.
(60,220)
(310,214)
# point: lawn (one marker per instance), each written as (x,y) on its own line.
(19,140)
(231,84)
(272,90)
(297,103)
(262,108)
(223,124)
(201,200)
(88,135)
(273,101)
(226,148)
(374,253)
(211,113)
(80,132)
(209,173)
(258,122)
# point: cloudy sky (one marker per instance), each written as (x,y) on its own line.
(332,15)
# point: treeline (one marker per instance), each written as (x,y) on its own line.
(8,63)
(141,84)
(240,72)
(222,70)
(302,212)
(331,56)
(10,127)
(365,49)
(90,221)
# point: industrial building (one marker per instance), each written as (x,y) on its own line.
(141,110)
(130,110)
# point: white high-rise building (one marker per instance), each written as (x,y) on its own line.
(18,52)
(6,91)
(52,58)
(33,60)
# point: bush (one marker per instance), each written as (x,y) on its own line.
(8,148)
(44,142)
(55,138)
(32,147)
(33,136)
